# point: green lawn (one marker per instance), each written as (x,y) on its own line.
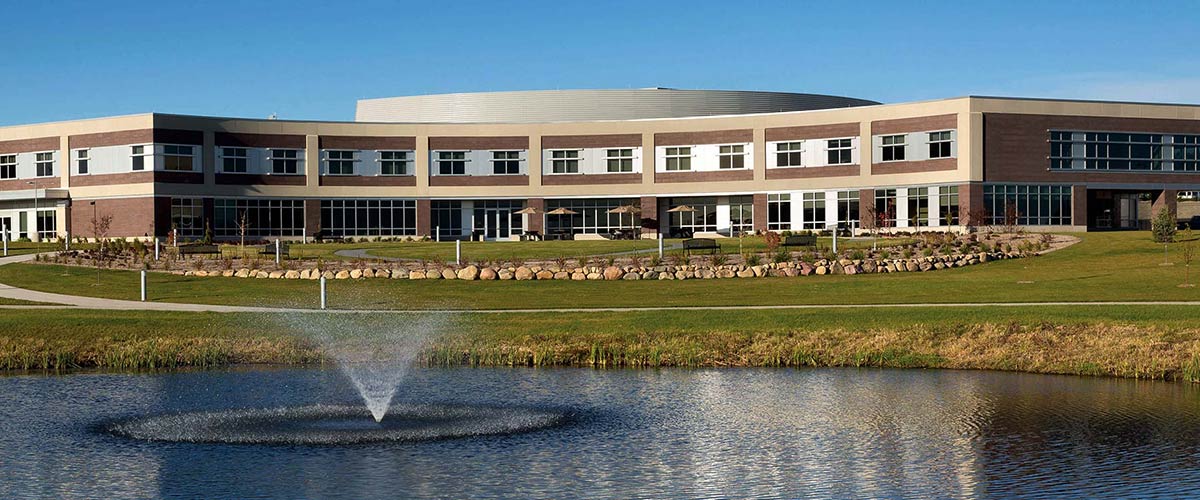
(1123,266)
(22,247)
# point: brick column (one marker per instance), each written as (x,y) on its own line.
(1079,215)
(649,216)
(209,213)
(866,203)
(1166,198)
(424,218)
(970,203)
(760,212)
(312,218)
(162,216)
(535,220)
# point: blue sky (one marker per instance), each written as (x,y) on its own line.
(312,60)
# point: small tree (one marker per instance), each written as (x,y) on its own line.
(1010,224)
(772,239)
(1163,226)
(100,227)
(208,237)
(1187,253)
(243,226)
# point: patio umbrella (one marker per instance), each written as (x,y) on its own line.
(681,209)
(562,211)
(624,209)
(531,211)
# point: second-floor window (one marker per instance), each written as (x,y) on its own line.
(234,160)
(893,148)
(285,161)
(178,158)
(620,160)
(789,154)
(341,162)
(137,157)
(452,163)
(393,162)
(81,161)
(564,161)
(733,156)
(939,144)
(679,158)
(44,163)
(839,151)
(8,166)
(506,162)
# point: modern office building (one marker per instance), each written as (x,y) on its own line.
(721,162)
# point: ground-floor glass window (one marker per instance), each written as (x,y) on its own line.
(263,218)
(847,207)
(47,224)
(741,214)
(948,205)
(496,218)
(357,217)
(187,217)
(779,212)
(702,217)
(591,216)
(918,207)
(446,218)
(885,208)
(814,210)
(1027,205)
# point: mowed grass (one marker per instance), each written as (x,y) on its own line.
(1128,341)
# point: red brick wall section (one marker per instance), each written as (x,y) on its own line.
(479,180)
(711,137)
(970,202)
(1079,205)
(760,211)
(866,203)
(650,223)
(592,141)
(111,138)
(811,132)
(29,145)
(349,142)
(918,124)
(444,143)
(312,217)
(145,177)
(742,174)
(424,217)
(1165,199)
(535,220)
(259,179)
(172,136)
(38,183)
(812,172)
(594,179)
(364,180)
(260,140)
(910,167)
(130,216)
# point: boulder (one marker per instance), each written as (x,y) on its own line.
(758,271)
(355,274)
(681,275)
(416,275)
(613,273)
(327,275)
(562,275)
(631,276)
(448,274)
(433,274)
(544,274)
(292,275)
(822,270)
(383,273)
(725,273)
(650,275)
(341,275)
(367,273)
(666,276)
(399,274)
(468,273)
(228,273)
(262,274)
(523,273)
(850,269)
(911,266)
(595,276)
(487,274)
(578,276)
(925,266)
(505,274)
(201,273)
(745,273)
(305,274)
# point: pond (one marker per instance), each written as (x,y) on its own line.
(622,434)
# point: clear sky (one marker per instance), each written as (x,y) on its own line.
(313,59)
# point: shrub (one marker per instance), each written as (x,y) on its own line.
(908,253)
(782,256)
(753,260)
(655,260)
(886,254)
(858,255)
(719,259)
(1163,226)
(772,239)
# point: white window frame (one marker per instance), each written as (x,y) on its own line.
(341,161)
(192,154)
(10,165)
(465,158)
(620,158)
(399,158)
(681,154)
(786,149)
(566,161)
(226,156)
(849,148)
(285,158)
(948,141)
(138,153)
(510,155)
(38,163)
(82,161)
(902,146)
(735,151)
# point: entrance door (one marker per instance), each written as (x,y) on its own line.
(493,223)
(1127,208)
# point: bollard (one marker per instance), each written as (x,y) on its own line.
(4,236)
(660,245)
(437,234)
(322,292)
(156,248)
(835,229)
(277,251)
(143,285)
(458,252)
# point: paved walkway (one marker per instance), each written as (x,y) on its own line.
(61,300)
(365,254)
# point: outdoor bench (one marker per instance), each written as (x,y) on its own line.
(198,249)
(694,244)
(269,249)
(804,240)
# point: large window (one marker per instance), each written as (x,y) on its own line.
(847,209)
(44,163)
(564,161)
(1113,151)
(939,144)
(703,217)
(893,148)
(393,162)
(137,157)
(620,160)
(789,154)
(81,161)
(948,205)
(357,217)
(1028,205)
(1186,153)
(732,156)
(679,158)
(187,217)
(885,208)
(779,212)
(341,162)
(591,216)
(918,207)
(177,158)
(234,160)
(8,166)
(813,210)
(446,217)
(47,224)
(285,161)
(741,214)
(506,162)
(452,163)
(263,218)
(839,151)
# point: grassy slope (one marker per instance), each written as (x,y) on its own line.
(1149,341)
(1122,266)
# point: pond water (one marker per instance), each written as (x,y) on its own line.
(623,433)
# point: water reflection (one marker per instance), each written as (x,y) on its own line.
(668,433)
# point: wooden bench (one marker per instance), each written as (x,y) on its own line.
(696,244)
(269,249)
(803,240)
(322,236)
(198,250)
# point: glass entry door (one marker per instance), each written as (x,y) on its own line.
(1127,210)
(493,223)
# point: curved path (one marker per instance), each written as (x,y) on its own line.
(59,301)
